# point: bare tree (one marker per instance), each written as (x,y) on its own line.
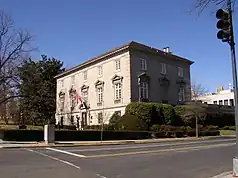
(200,5)
(14,46)
(197,90)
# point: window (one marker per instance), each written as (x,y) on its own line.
(118,113)
(85,95)
(144,90)
(100,118)
(99,70)
(180,71)
(118,91)
(85,75)
(73,80)
(231,102)
(220,102)
(214,102)
(118,64)
(143,64)
(181,94)
(226,102)
(163,68)
(100,95)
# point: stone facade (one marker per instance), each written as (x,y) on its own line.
(90,93)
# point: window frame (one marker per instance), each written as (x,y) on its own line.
(180,72)
(144,90)
(163,68)
(118,64)
(143,64)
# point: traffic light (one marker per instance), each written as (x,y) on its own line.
(224,25)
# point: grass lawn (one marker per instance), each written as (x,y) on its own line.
(227,132)
(10,127)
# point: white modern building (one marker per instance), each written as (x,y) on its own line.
(91,92)
(220,97)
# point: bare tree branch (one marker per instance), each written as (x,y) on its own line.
(197,90)
(14,46)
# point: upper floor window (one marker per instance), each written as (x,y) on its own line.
(143,64)
(100,95)
(118,64)
(85,95)
(214,102)
(163,68)
(73,80)
(180,71)
(100,71)
(144,90)
(231,102)
(117,91)
(85,75)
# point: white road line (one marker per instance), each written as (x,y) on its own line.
(100,176)
(54,158)
(66,152)
(1,146)
(146,146)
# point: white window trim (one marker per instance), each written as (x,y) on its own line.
(100,92)
(180,72)
(163,68)
(117,91)
(118,64)
(143,64)
(100,71)
(85,75)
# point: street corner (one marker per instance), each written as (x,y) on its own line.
(224,175)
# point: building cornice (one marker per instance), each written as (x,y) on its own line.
(119,50)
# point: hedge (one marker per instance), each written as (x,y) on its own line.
(64,135)
(182,115)
(71,135)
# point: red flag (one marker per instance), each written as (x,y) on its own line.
(80,99)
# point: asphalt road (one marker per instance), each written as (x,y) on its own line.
(185,159)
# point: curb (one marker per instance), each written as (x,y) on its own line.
(223,175)
(99,143)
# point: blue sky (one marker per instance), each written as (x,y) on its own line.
(76,30)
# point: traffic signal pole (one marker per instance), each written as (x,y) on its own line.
(235,83)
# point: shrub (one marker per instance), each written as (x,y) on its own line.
(69,127)
(228,128)
(114,120)
(132,122)
(144,111)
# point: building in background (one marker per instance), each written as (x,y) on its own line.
(220,97)
(91,92)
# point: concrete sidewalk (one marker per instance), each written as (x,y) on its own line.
(15,144)
(224,175)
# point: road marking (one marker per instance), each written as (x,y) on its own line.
(100,176)
(54,158)
(145,146)
(159,151)
(1,146)
(66,152)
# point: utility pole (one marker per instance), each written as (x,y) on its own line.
(226,34)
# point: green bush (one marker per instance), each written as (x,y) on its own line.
(132,122)
(228,128)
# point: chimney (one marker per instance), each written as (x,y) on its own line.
(166,50)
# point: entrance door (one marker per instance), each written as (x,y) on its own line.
(84,120)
